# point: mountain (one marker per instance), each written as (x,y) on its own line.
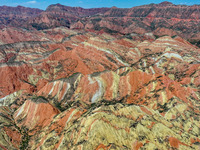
(157,18)
(100,79)
(16,16)
(161,19)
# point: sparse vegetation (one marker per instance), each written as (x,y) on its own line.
(25,139)
(195,42)
(40,99)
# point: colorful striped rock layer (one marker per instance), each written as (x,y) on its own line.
(88,90)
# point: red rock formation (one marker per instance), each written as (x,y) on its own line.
(162,19)
(89,71)
(16,16)
(112,83)
(34,114)
(13,35)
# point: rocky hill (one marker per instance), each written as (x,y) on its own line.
(88,90)
(16,16)
(160,19)
(91,86)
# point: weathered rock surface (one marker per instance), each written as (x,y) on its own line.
(93,88)
(118,127)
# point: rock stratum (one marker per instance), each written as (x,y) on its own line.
(161,19)
(89,89)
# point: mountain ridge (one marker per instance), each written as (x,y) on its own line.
(160,19)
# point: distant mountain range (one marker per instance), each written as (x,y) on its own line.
(160,19)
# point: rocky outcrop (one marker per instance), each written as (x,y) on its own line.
(35,114)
